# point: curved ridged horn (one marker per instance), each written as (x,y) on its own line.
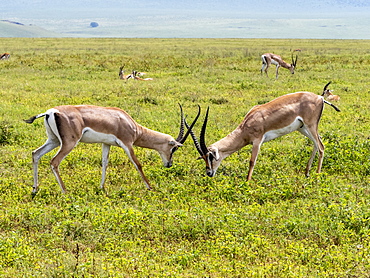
(294,62)
(181,133)
(325,88)
(201,147)
(181,138)
(203,133)
(194,137)
(120,70)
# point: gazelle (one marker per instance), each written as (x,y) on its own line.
(134,75)
(137,74)
(270,58)
(122,75)
(328,94)
(67,125)
(5,56)
(140,73)
(296,111)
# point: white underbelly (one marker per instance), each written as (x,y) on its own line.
(272,134)
(274,62)
(91,136)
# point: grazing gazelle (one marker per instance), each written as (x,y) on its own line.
(296,111)
(67,125)
(4,56)
(270,58)
(328,94)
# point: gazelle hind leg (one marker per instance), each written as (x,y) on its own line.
(36,155)
(264,68)
(321,149)
(310,161)
(64,150)
(312,134)
(265,65)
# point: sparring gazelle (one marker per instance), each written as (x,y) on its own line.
(296,111)
(67,125)
(270,58)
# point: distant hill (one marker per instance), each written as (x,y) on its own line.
(300,19)
(16,29)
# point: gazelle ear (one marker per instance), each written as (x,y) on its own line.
(215,154)
(175,143)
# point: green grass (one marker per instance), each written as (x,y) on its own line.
(280,224)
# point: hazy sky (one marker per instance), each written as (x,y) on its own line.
(341,19)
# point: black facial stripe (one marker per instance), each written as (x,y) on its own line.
(209,164)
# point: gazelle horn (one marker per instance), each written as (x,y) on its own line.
(201,147)
(120,70)
(294,62)
(181,138)
(326,86)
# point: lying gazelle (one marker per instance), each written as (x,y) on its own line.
(328,94)
(124,76)
(140,73)
(134,75)
(296,111)
(67,125)
(4,56)
(137,74)
(270,58)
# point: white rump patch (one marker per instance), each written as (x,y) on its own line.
(272,134)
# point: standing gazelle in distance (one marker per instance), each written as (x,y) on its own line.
(296,111)
(270,58)
(69,124)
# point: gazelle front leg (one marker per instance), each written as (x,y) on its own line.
(138,166)
(130,153)
(277,71)
(105,159)
(255,150)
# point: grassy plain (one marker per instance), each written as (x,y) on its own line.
(280,224)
